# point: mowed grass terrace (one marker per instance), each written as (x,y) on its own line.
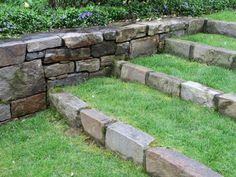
(227,15)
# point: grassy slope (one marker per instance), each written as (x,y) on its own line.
(37,147)
(198,132)
(212,40)
(228,15)
(212,76)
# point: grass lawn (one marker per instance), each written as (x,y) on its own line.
(215,40)
(196,131)
(228,15)
(212,76)
(40,147)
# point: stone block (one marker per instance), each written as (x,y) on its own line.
(198,93)
(22,80)
(109,34)
(195,25)
(106,71)
(136,73)
(107,60)
(35,55)
(95,123)
(168,163)
(165,83)
(28,105)
(5,112)
(143,46)
(117,68)
(68,106)
(128,141)
(123,49)
(90,65)
(76,40)
(104,48)
(157,27)
(58,69)
(12,53)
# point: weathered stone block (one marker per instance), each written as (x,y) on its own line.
(90,65)
(39,44)
(165,162)
(102,49)
(58,69)
(157,27)
(106,71)
(76,40)
(198,93)
(143,46)
(165,83)
(195,25)
(35,55)
(68,106)
(226,104)
(109,34)
(5,112)
(117,67)
(131,72)
(95,123)
(28,105)
(21,81)
(123,49)
(107,60)
(12,53)
(128,141)
(56,55)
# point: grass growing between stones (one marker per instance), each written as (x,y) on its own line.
(198,132)
(228,15)
(212,76)
(40,147)
(214,40)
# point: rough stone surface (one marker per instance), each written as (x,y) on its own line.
(21,81)
(226,104)
(117,68)
(102,49)
(28,105)
(128,141)
(5,112)
(195,26)
(123,49)
(144,46)
(40,44)
(198,93)
(71,79)
(109,34)
(165,83)
(220,27)
(90,65)
(166,163)
(68,106)
(12,53)
(106,71)
(131,72)
(95,123)
(76,40)
(59,69)
(56,55)
(107,60)
(35,55)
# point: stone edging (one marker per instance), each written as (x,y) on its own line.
(127,141)
(225,103)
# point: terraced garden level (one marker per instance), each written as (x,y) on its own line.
(214,40)
(212,76)
(198,132)
(227,15)
(40,147)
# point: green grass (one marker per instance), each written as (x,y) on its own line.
(40,147)
(228,15)
(212,76)
(196,131)
(215,40)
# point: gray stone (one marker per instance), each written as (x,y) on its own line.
(71,79)
(76,40)
(128,141)
(107,60)
(12,53)
(35,55)
(123,49)
(198,93)
(196,25)
(5,112)
(226,104)
(90,65)
(21,81)
(165,83)
(143,46)
(117,68)
(95,123)
(106,71)
(109,34)
(102,49)
(136,73)
(168,163)
(68,106)
(56,55)
(59,69)
(40,44)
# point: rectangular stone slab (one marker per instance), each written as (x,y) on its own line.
(59,69)
(5,112)
(127,141)
(90,65)
(198,93)
(168,163)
